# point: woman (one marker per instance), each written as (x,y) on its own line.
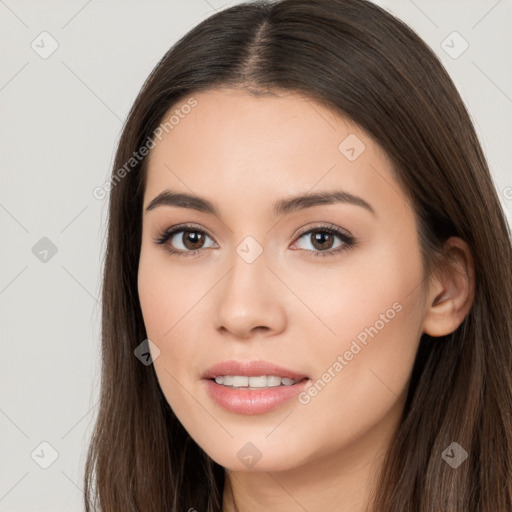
(308,280)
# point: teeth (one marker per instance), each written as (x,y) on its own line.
(273,380)
(240,381)
(262,381)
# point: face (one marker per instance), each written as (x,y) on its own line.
(328,290)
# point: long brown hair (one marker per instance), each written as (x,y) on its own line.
(360,61)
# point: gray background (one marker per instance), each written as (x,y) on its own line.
(61,120)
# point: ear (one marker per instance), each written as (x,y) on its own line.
(451,291)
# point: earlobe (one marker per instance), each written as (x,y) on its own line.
(451,291)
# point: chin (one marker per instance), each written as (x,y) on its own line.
(253,456)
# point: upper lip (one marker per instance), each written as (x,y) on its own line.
(250,369)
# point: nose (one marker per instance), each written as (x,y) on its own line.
(250,299)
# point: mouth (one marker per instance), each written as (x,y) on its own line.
(254,382)
(252,387)
(256,374)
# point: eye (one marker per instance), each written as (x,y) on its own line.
(188,240)
(321,241)
(183,240)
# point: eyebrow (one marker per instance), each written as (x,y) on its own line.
(282,207)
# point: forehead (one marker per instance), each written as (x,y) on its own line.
(240,122)
(233,144)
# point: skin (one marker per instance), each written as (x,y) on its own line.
(243,153)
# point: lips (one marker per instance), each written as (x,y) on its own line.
(252,400)
(251,369)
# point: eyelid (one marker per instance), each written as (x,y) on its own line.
(320,226)
(172,230)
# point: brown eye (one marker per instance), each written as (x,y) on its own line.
(325,241)
(322,240)
(192,239)
(182,240)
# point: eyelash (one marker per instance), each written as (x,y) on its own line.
(349,241)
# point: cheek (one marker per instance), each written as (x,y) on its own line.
(164,294)
(363,375)
(364,288)
(171,301)
(168,309)
(164,301)
(374,306)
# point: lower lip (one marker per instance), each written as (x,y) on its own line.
(257,401)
